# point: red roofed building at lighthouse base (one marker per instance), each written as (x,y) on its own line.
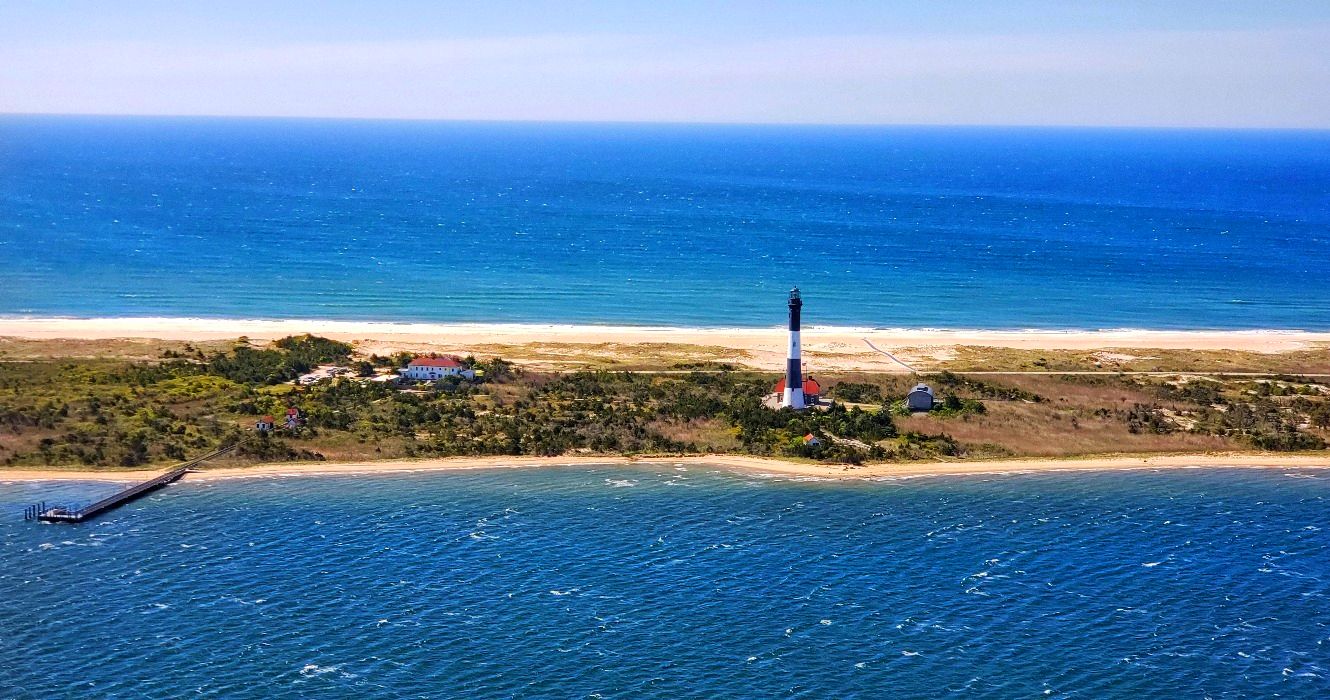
(431,367)
(812,390)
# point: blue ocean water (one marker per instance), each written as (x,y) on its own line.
(671,581)
(669,225)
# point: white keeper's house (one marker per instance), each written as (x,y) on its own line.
(430,367)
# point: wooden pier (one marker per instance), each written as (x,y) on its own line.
(77,514)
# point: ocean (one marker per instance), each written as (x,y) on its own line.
(669,581)
(993,228)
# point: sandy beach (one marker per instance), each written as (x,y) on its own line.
(758,465)
(835,348)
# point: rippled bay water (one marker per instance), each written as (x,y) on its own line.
(675,582)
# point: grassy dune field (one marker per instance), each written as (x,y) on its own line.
(129,403)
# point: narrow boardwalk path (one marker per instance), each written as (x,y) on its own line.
(892,357)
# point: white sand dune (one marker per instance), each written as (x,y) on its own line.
(835,348)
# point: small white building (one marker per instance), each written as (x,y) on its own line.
(427,368)
(920,398)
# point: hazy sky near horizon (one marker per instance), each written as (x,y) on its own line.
(1039,62)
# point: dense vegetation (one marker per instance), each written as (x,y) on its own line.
(127,414)
(289,358)
(121,413)
(1268,414)
(857,392)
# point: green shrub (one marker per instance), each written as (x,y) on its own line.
(857,392)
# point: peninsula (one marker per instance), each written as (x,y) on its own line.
(113,397)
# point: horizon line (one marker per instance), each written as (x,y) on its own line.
(640,122)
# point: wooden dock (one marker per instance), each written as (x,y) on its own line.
(77,514)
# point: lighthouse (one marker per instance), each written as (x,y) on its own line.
(793,396)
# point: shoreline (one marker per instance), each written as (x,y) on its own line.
(207,328)
(553,346)
(736,463)
(210,323)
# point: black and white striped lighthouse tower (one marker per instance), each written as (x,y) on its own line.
(794,376)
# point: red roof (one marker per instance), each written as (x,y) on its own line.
(811,387)
(435,362)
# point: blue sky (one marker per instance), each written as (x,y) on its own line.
(1124,63)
